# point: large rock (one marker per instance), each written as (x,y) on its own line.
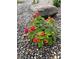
(45,9)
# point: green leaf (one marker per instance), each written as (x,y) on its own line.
(57,3)
(48,31)
(50,41)
(33,44)
(41,37)
(40,44)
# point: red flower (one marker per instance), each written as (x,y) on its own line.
(35,40)
(33,28)
(42,33)
(47,19)
(25,30)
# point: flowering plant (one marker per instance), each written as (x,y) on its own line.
(42,31)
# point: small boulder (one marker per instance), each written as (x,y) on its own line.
(45,9)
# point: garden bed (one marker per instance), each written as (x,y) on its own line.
(26,51)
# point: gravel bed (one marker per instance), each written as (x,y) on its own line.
(25,50)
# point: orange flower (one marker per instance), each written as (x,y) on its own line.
(30,30)
(42,33)
(45,41)
(35,40)
(38,40)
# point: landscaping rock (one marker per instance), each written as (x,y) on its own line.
(45,9)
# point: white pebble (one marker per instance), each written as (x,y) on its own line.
(54,52)
(55,57)
(37,49)
(35,57)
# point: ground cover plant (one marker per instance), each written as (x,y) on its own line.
(41,32)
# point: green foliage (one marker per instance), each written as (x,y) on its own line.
(19,1)
(40,44)
(35,1)
(57,3)
(44,31)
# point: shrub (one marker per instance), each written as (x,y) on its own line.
(57,3)
(42,31)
